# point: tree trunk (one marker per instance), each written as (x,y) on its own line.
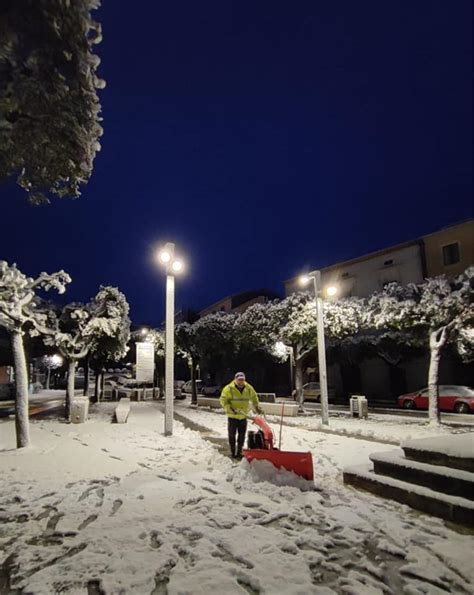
(86,375)
(48,377)
(437,341)
(96,385)
(102,382)
(21,391)
(194,399)
(71,373)
(154,381)
(299,384)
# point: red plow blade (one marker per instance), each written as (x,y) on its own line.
(300,463)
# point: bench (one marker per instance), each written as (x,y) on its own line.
(266,397)
(122,411)
(290,410)
(110,391)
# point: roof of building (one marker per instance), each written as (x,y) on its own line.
(245,296)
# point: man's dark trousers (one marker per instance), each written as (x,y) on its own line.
(239,427)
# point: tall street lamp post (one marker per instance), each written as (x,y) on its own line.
(173,266)
(315,276)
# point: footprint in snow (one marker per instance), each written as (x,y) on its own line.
(145,466)
(115,506)
(90,519)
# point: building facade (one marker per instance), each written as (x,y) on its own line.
(448,252)
(370,273)
(238,303)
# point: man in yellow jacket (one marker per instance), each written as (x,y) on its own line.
(236,399)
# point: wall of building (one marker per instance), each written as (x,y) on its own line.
(463,236)
(363,276)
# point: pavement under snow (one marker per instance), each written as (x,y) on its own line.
(112,508)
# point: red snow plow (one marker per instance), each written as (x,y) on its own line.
(260,447)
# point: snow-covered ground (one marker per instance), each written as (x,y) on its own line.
(119,508)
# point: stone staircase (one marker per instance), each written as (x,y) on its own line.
(435,475)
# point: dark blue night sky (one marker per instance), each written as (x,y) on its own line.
(262,137)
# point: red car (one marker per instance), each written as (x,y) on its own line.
(451,398)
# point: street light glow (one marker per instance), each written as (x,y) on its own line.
(165,256)
(57,360)
(304,280)
(177,266)
(144,331)
(331,290)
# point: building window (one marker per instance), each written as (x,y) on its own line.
(451,254)
(344,275)
(387,263)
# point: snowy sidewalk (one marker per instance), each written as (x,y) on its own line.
(378,428)
(122,509)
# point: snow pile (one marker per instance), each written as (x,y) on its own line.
(264,471)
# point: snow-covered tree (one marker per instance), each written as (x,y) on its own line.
(51,362)
(344,318)
(215,340)
(442,309)
(49,108)
(21,311)
(110,347)
(294,320)
(256,329)
(82,328)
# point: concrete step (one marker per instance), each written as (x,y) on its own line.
(452,508)
(438,478)
(455,451)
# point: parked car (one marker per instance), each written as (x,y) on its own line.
(208,390)
(312,392)
(451,398)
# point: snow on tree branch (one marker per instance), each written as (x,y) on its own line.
(49,107)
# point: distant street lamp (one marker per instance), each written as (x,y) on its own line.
(173,266)
(315,276)
(57,360)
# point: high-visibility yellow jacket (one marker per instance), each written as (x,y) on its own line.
(236,404)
